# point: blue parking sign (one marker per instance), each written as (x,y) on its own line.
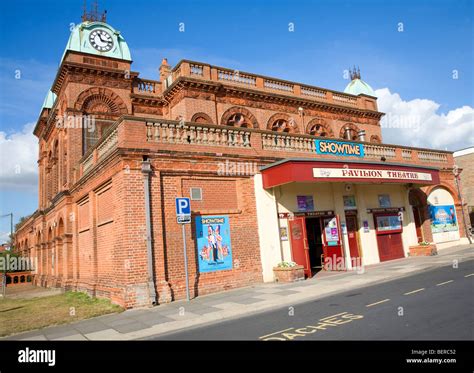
(183,210)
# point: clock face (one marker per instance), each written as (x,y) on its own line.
(101,40)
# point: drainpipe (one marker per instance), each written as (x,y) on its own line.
(146,170)
(456,179)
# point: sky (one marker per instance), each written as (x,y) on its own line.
(417,56)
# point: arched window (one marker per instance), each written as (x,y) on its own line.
(281,125)
(100,107)
(237,120)
(201,118)
(239,117)
(282,122)
(349,131)
(318,127)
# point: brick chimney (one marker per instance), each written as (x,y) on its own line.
(165,69)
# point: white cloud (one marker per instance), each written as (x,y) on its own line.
(418,123)
(18,157)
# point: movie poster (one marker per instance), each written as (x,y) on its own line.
(443,219)
(305,203)
(213,243)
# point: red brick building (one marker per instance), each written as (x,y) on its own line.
(276,171)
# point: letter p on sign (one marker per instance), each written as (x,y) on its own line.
(183,210)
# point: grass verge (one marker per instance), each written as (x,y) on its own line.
(19,315)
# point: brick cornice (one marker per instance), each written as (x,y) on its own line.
(258,95)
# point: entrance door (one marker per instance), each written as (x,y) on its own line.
(389,236)
(332,244)
(352,229)
(417,217)
(299,244)
(315,244)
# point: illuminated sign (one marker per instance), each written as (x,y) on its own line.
(331,147)
(362,173)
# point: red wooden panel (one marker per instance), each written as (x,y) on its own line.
(299,246)
(351,224)
(390,246)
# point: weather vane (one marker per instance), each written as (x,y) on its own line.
(355,73)
(93,15)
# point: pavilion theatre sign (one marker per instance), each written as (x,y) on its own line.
(340,148)
(365,173)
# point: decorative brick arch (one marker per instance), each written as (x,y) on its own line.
(50,235)
(249,119)
(282,122)
(375,139)
(319,127)
(39,238)
(201,118)
(354,130)
(61,228)
(100,100)
(448,188)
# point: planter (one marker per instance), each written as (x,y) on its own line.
(423,250)
(288,274)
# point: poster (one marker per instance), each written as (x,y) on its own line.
(284,233)
(349,202)
(443,218)
(388,223)
(331,231)
(365,223)
(384,200)
(305,203)
(213,243)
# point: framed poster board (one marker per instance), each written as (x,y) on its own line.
(213,243)
(388,223)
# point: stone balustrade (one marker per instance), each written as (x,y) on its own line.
(432,156)
(198,134)
(378,151)
(143,86)
(264,143)
(105,145)
(235,77)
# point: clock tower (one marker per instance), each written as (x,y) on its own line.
(90,92)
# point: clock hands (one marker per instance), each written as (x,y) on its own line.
(100,37)
(101,41)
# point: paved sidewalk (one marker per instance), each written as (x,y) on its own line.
(142,323)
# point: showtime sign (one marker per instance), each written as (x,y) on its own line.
(360,173)
(339,148)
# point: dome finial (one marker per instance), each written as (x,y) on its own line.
(93,15)
(355,73)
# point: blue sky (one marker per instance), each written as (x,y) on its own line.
(253,36)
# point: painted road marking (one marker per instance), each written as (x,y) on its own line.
(414,291)
(322,324)
(469,275)
(281,331)
(330,317)
(444,283)
(374,304)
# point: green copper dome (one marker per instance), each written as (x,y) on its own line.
(358,86)
(98,38)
